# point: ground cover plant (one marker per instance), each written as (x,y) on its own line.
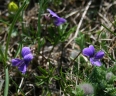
(57,48)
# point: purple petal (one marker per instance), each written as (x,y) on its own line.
(59,21)
(25,51)
(95,62)
(23,68)
(15,62)
(53,13)
(89,51)
(99,55)
(92,48)
(28,58)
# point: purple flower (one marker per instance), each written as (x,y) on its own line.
(23,64)
(57,20)
(94,56)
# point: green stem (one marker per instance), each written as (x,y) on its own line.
(6,50)
(6,82)
(12,26)
(39,24)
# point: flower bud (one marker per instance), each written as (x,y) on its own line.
(109,76)
(13,7)
(87,88)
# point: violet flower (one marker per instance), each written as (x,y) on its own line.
(94,56)
(23,64)
(57,20)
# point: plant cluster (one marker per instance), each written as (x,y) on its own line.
(49,66)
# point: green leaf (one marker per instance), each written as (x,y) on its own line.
(80,40)
(39,83)
(44,72)
(41,77)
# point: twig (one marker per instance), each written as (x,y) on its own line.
(31,85)
(105,19)
(20,84)
(79,25)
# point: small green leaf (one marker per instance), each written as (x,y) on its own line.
(43,71)
(80,40)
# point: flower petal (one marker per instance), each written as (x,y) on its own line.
(16,62)
(95,62)
(52,13)
(23,68)
(99,55)
(25,51)
(92,48)
(89,51)
(59,21)
(28,58)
